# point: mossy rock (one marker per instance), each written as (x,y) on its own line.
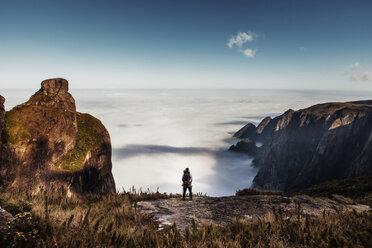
(15,128)
(23,120)
(90,134)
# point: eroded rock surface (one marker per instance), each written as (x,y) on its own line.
(221,210)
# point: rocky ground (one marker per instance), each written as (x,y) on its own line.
(220,210)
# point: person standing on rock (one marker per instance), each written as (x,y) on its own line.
(186,183)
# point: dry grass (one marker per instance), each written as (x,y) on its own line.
(358,189)
(49,219)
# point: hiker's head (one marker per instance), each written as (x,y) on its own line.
(187,169)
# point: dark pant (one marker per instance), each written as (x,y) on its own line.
(184,191)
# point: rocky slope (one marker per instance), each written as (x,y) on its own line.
(2,114)
(221,210)
(45,142)
(309,146)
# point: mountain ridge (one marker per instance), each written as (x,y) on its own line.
(312,145)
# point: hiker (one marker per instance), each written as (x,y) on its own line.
(186,183)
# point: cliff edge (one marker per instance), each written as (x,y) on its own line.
(313,145)
(46,143)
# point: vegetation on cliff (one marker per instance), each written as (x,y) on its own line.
(88,137)
(14,130)
(359,189)
(23,121)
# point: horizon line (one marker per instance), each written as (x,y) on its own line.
(202,89)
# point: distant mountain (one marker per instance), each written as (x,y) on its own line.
(313,145)
(46,143)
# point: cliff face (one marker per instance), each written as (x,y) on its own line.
(45,142)
(309,146)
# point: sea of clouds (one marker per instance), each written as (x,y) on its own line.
(156,134)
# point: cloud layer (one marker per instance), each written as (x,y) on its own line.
(240,39)
(139,150)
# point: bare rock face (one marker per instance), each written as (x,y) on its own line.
(55,86)
(246,146)
(313,145)
(266,127)
(46,142)
(248,131)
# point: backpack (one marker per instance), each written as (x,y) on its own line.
(186,177)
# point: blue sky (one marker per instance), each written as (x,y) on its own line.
(187,44)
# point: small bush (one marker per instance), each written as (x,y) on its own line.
(358,189)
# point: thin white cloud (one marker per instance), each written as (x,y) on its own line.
(241,38)
(249,53)
(357,75)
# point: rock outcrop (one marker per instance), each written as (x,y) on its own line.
(248,131)
(221,210)
(46,143)
(246,146)
(309,146)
